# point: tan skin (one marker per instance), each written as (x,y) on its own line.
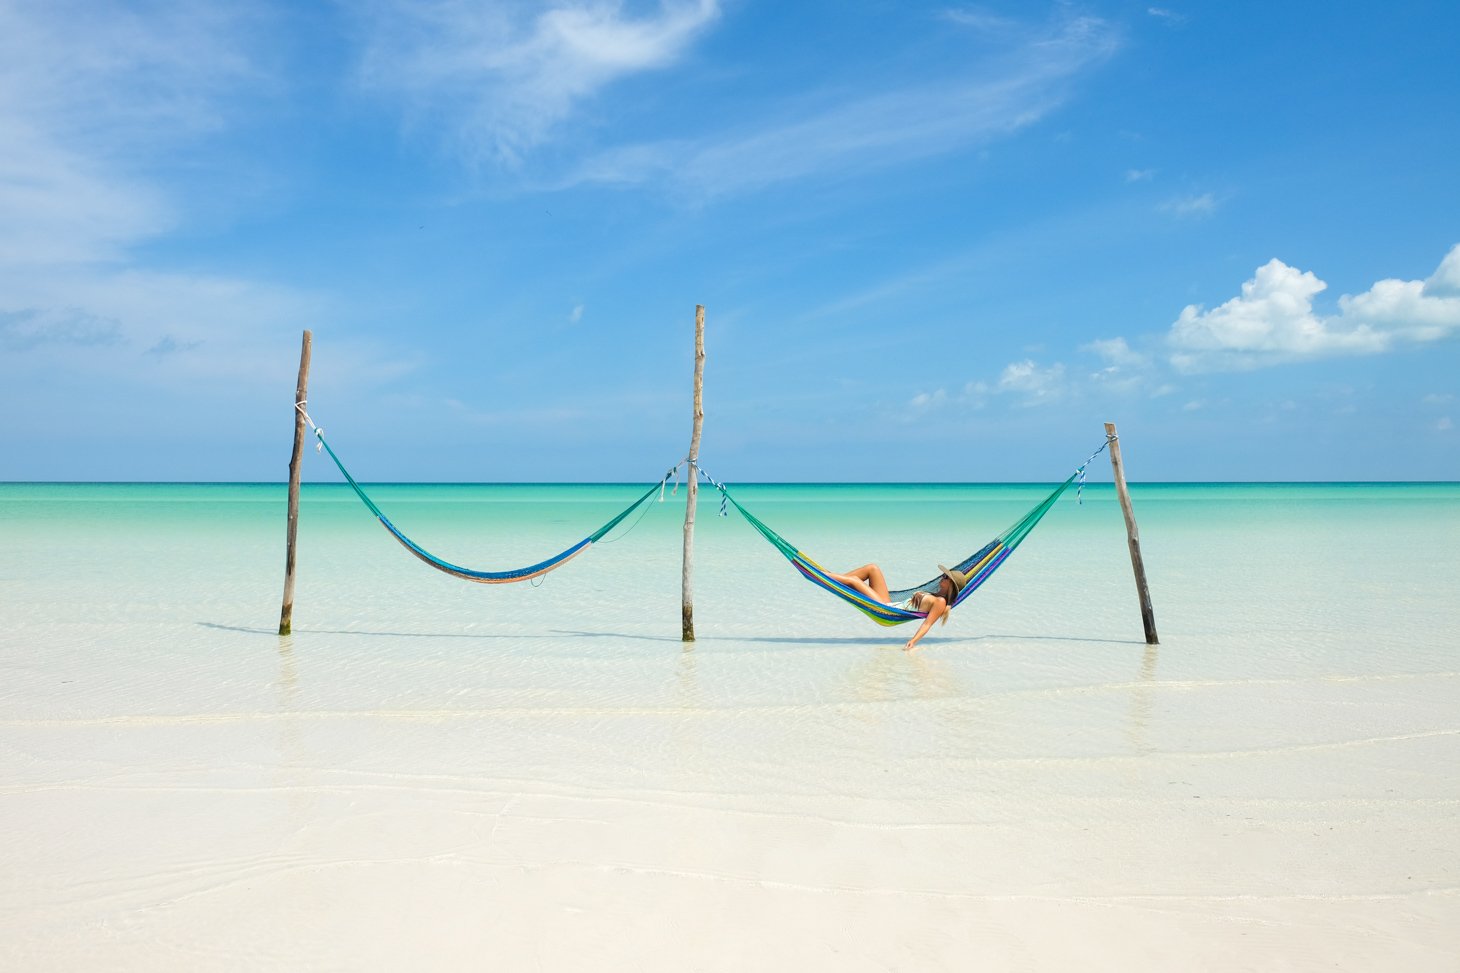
(869,580)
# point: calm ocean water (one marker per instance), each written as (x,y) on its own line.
(1297,579)
(1349,558)
(162,600)
(1284,759)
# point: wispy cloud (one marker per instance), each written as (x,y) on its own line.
(1191,207)
(503,78)
(871,131)
(1117,352)
(509,82)
(168,345)
(1123,370)
(88,93)
(31,328)
(979,19)
(1273,320)
(101,322)
(1025,383)
(97,104)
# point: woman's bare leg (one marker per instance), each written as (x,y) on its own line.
(867,579)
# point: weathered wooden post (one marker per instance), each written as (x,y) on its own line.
(1133,536)
(301,394)
(687,611)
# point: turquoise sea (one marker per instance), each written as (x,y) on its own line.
(1339,563)
(1287,754)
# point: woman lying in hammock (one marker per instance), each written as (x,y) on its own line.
(869,580)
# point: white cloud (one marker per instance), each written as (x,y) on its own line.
(506,76)
(1140,175)
(1125,369)
(1274,321)
(1445,281)
(1410,310)
(1117,352)
(575,315)
(1444,424)
(1035,383)
(1027,382)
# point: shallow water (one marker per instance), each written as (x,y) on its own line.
(1289,750)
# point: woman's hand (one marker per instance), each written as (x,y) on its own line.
(938,607)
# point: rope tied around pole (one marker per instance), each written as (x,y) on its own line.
(1080,484)
(724,497)
(318,430)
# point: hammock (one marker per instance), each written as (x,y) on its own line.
(978,566)
(488,577)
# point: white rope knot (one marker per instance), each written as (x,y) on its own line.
(665,481)
(300,406)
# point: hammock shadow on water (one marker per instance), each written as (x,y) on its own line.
(1060,638)
(874,641)
(927,643)
(555,634)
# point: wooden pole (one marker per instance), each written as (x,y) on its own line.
(301,395)
(686,608)
(1133,536)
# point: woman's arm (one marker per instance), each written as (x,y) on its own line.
(939,606)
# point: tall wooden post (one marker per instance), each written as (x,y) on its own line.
(1133,536)
(301,395)
(687,611)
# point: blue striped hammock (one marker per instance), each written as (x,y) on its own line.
(978,566)
(489,577)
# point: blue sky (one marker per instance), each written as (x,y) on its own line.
(935,241)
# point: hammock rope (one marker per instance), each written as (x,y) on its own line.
(978,566)
(528,573)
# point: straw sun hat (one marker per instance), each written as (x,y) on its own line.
(959,579)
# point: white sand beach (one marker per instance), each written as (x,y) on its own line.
(431,774)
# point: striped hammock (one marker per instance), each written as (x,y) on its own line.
(490,577)
(978,566)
